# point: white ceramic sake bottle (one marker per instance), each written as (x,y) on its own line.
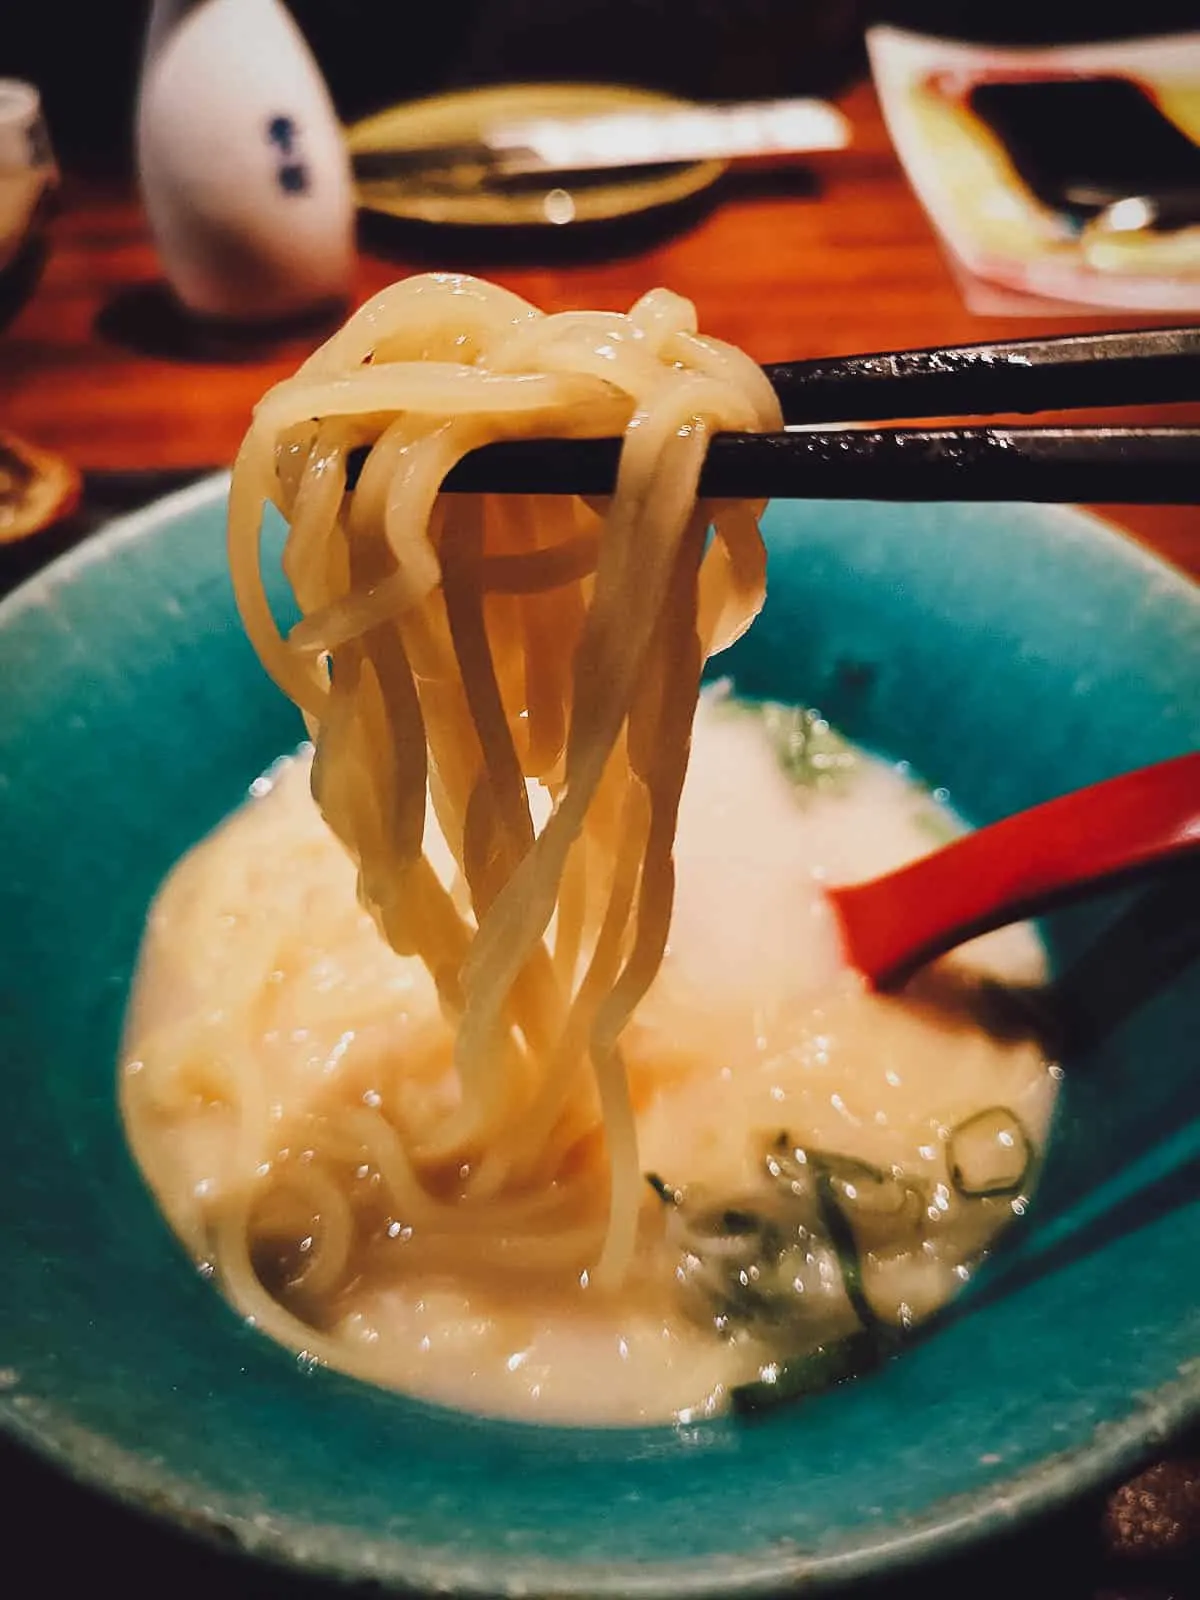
(244,171)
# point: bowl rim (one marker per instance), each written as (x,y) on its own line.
(949,1528)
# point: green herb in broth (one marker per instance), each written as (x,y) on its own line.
(811,754)
(750,1267)
(809,1272)
(663,1190)
(816,758)
(882,1207)
(784,1263)
(783,1266)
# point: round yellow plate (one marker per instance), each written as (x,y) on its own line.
(460,118)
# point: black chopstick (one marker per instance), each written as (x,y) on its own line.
(1138,367)
(1117,466)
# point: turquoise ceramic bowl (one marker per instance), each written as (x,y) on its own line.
(1010,654)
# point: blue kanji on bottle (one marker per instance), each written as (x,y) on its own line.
(293,177)
(281,131)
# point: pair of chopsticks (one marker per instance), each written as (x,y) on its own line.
(1120,466)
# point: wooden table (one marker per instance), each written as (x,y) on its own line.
(853,268)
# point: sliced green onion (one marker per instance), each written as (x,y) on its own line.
(819,1369)
(990,1154)
(840,1233)
(879,1203)
(804,1175)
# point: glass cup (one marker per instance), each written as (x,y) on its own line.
(28,179)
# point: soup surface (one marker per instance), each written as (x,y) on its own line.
(825,1166)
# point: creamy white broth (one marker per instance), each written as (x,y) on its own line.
(755,1037)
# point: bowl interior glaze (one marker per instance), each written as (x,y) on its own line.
(1009,653)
